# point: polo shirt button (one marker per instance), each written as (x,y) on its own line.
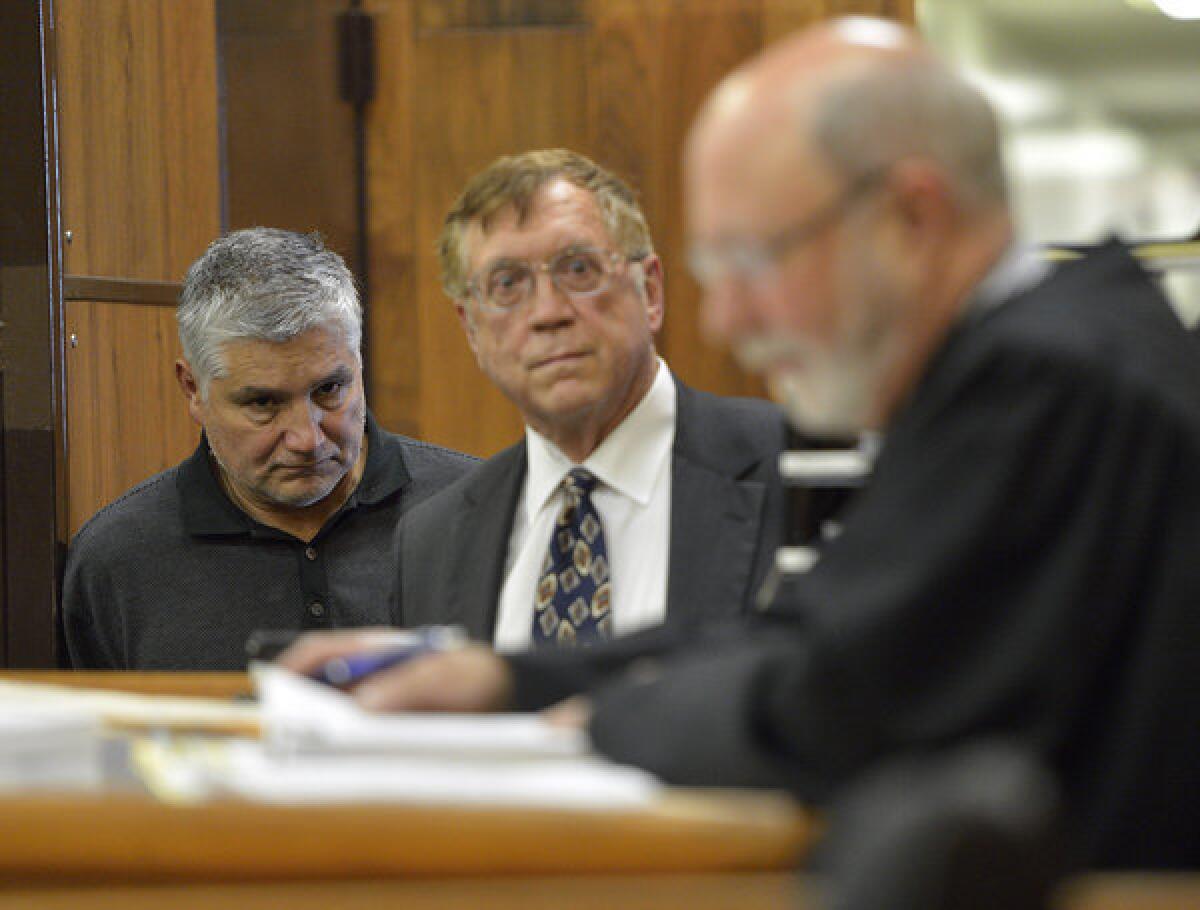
(310,552)
(316,608)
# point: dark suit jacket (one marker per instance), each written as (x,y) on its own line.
(1024,563)
(726,522)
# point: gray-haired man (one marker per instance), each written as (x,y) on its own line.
(282,518)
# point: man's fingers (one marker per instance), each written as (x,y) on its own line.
(471,679)
(572,713)
(310,651)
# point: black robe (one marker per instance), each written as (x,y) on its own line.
(1024,563)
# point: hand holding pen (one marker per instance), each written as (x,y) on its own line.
(451,674)
(396,648)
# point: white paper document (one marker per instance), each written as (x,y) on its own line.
(319,747)
(300,715)
(129,710)
(49,747)
(197,770)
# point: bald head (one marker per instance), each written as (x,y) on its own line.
(856,95)
(844,196)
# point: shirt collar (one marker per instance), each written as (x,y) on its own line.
(385,472)
(1017,270)
(629,458)
(207,511)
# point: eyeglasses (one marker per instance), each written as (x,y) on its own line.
(753,260)
(578,272)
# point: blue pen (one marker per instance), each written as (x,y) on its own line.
(342,672)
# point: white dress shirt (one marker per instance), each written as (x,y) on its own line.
(633,498)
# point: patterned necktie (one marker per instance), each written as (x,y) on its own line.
(572,601)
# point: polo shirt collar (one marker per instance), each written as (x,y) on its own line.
(629,458)
(385,473)
(207,511)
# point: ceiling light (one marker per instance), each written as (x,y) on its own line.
(1096,153)
(1179,9)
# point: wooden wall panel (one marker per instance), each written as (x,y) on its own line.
(783,16)
(394,321)
(289,137)
(514,89)
(138,124)
(128,416)
(464,81)
(141,194)
(692,46)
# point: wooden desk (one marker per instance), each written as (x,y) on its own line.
(732,850)
(201,685)
(133,838)
(127,852)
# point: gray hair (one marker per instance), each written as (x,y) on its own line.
(263,284)
(875,115)
(514,181)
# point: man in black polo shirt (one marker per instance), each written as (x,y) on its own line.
(282,518)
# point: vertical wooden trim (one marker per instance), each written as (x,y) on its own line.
(30,340)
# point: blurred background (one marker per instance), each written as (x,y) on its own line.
(1101,105)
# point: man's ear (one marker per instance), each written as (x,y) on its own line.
(191,390)
(464,318)
(653,291)
(921,198)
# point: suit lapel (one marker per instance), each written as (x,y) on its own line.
(481,530)
(715,522)
(714,534)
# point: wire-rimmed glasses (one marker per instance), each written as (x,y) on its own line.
(753,260)
(579,272)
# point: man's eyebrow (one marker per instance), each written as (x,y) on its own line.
(575,247)
(503,262)
(250,392)
(342,374)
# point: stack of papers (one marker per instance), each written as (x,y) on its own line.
(62,737)
(129,711)
(318,746)
(300,716)
(49,747)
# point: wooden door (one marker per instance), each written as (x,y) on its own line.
(140,200)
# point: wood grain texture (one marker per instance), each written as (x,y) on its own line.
(138,122)
(141,198)
(693,46)
(198,685)
(289,137)
(126,415)
(393,321)
(513,89)
(119,290)
(440,15)
(755,891)
(461,83)
(134,839)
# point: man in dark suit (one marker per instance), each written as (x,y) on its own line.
(686,491)
(1020,566)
